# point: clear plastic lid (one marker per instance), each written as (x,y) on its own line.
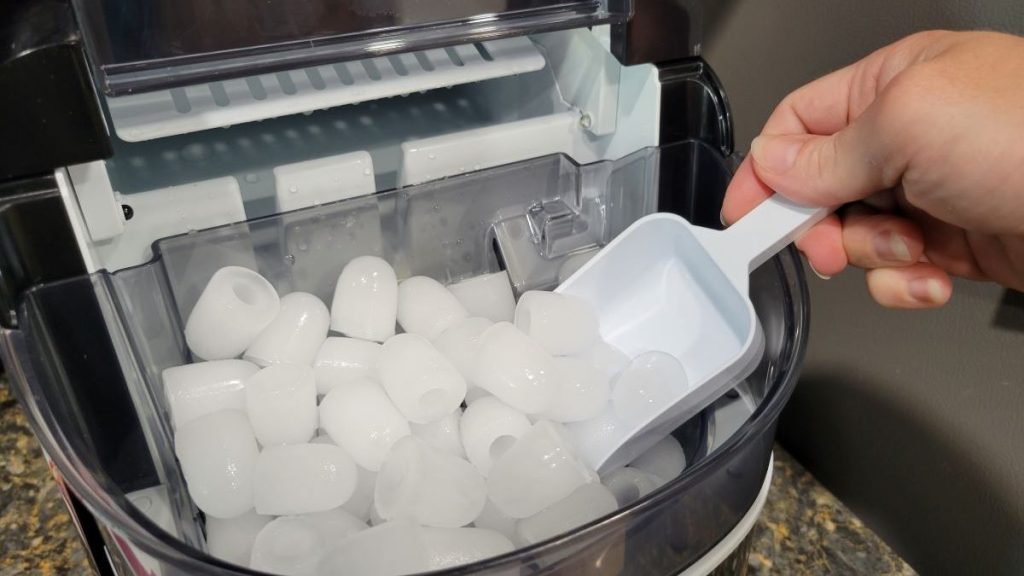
(140,46)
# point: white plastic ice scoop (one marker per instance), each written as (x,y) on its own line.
(666,285)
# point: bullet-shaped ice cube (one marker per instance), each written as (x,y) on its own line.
(281,403)
(581,391)
(665,460)
(515,368)
(563,324)
(400,547)
(302,478)
(343,360)
(361,501)
(606,358)
(629,484)
(586,503)
(218,454)
(231,540)
(492,518)
(236,305)
(488,296)
(461,343)
(422,383)
(293,545)
(474,393)
(428,486)
(194,390)
(489,428)
(450,547)
(427,308)
(361,418)
(387,549)
(365,301)
(540,469)
(295,334)
(652,381)
(443,435)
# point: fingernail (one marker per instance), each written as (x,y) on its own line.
(816,273)
(892,247)
(926,290)
(721,218)
(775,153)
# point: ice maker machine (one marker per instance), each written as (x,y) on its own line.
(148,144)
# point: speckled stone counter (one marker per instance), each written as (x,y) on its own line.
(803,530)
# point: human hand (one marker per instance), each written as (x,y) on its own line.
(922,143)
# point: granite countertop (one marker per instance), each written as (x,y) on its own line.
(803,529)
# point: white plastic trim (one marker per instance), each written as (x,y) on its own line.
(150,115)
(100,206)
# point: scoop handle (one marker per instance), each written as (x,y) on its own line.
(761,234)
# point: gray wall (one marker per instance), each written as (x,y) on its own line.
(915,419)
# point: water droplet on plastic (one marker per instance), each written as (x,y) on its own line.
(293,190)
(367,172)
(437,207)
(251,178)
(290,259)
(307,113)
(431,157)
(476,167)
(303,247)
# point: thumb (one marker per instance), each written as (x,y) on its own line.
(822,170)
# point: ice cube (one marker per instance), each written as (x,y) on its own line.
(606,358)
(443,434)
(581,391)
(335,524)
(365,301)
(323,439)
(489,428)
(488,295)
(474,393)
(231,540)
(450,547)
(422,383)
(540,469)
(218,454)
(361,418)
(293,545)
(461,343)
(389,549)
(281,403)
(564,325)
(427,308)
(586,503)
(343,360)
(665,460)
(295,334)
(514,368)
(428,486)
(194,390)
(236,305)
(361,501)
(400,547)
(302,478)
(492,518)
(629,484)
(651,382)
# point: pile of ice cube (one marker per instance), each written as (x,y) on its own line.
(309,451)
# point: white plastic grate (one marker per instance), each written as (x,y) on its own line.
(151,115)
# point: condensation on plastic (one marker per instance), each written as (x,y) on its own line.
(87,363)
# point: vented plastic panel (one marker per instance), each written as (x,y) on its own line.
(163,113)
